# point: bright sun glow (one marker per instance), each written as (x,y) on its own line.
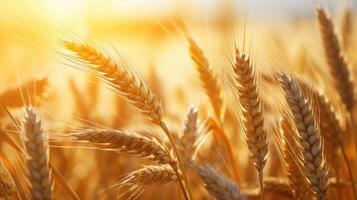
(65,8)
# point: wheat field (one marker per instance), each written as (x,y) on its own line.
(180,106)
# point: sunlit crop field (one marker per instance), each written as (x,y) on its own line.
(227,100)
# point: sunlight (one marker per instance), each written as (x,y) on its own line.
(66,9)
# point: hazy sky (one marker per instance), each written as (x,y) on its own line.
(136,8)
(271,8)
(283,7)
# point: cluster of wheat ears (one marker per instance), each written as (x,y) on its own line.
(309,144)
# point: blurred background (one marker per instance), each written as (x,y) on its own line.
(30,29)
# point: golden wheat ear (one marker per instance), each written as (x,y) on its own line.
(208,79)
(308,137)
(209,82)
(134,183)
(127,143)
(217,185)
(332,132)
(36,145)
(129,85)
(337,63)
(251,109)
(188,139)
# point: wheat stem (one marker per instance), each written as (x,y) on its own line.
(183,183)
(261,183)
(219,135)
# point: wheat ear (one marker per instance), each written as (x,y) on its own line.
(331,130)
(36,145)
(129,143)
(218,185)
(308,136)
(208,79)
(251,108)
(149,175)
(133,89)
(189,137)
(337,63)
(133,184)
(210,84)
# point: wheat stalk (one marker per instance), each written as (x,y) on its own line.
(218,185)
(37,149)
(308,137)
(134,90)
(251,108)
(337,63)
